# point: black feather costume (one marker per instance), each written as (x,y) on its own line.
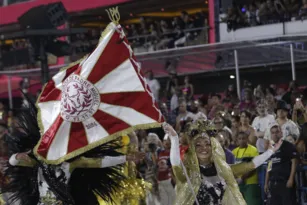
(85,184)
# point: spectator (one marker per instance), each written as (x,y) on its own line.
(235,19)
(288,127)
(171,85)
(245,126)
(187,89)
(230,159)
(281,170)
(271,102)
(248,182)
(247,103)
(185,20)
(261,123)
(166,35)
(154,85)
(293,87)
(221,128)
(152,148)
(235,125)
(175,99)
(183,117)
(166,189)
(258,92)
(301,144)
(215,102)
(279,93)
(299,113)
(231,94)
(303,10)
(253,15)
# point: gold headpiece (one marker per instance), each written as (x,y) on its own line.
(196,128)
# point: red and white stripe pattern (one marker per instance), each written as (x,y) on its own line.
(125,101)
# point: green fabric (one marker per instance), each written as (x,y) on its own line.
(251,193)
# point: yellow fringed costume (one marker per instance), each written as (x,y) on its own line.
(232,195)
(133,189)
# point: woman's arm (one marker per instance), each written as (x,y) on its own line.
(245,167)
(175,153)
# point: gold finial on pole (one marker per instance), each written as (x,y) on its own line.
(113,14)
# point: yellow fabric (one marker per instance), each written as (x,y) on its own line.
(1,200)
(134,189)
(250,151)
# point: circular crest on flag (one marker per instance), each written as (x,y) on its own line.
(80,99)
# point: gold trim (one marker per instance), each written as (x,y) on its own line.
(94,144)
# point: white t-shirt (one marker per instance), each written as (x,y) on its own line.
(154,87)
(288,128)
(261,124)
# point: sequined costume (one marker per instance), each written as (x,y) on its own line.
(133,188)
(213,185)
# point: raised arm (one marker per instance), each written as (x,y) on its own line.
(245,167)
(175,153)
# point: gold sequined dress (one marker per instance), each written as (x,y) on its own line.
(133,189)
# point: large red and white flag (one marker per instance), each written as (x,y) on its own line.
(94,101)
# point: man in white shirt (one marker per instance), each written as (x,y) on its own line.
(261,123)
(154,85)
(288,127)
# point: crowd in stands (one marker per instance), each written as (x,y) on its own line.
(150,35)
(265,12)
(244,128)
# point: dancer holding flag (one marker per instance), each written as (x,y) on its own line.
(77,126)
(204,177)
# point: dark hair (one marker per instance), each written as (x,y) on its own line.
(242,133)
(248,114)
(236,118)
(216,95)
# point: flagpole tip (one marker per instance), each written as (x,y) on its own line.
(113,14)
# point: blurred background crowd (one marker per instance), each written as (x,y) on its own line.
(228,61)
(240,124)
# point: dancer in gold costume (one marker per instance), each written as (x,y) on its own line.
(204,177)
(132,188)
